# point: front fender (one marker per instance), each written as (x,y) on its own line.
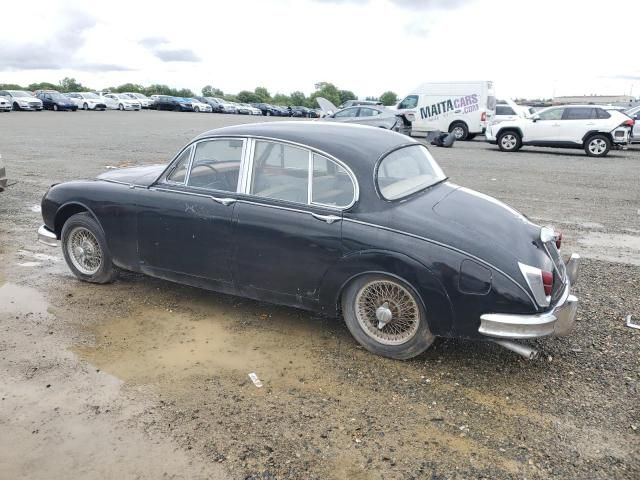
(432,293)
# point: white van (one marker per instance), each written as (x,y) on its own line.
(464,108)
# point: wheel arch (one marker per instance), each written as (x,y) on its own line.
(458,121)
(431,292)
(517,130)
(66,211)
(591,133)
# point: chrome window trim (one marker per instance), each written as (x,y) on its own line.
(165,173)
(354,180)
(444,245)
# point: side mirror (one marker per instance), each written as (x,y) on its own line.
(535,118)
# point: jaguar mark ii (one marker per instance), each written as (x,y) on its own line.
(343,220)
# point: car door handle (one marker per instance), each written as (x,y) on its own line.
(555,125)
(326,218)
(591,123)
(224,201)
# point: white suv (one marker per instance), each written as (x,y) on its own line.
(571,126)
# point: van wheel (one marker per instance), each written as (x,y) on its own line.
(85,250)
(597,146)
(459,130)
(386,316)
(509,141)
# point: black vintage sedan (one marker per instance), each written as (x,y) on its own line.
(338,219)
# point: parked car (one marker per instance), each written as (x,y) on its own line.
(299,111)
(5,105)
(199,106)
(52,100)
(216,107)
(141,98)
(108,101)
(21,100)
(266,109)
(167,102)
(371,115)
(590,127)
(634,113)
(241,109)
(283,111)
(87,101)
(508,112)
(330,218)
(125,102)
(253,110)
(227,107)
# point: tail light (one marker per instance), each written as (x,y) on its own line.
(483,117)
(628,123)
(547,282)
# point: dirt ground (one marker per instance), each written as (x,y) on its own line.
(145,379)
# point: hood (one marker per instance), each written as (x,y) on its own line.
(326,106)
(143,176)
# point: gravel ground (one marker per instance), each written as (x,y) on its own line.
(147,379)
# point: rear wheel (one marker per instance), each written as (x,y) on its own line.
(120,107)
(85,106)
(16,106)
(55,107)
(197,109)
(85,249)
(509,141)
(386,317)
(459,130)
(597,146)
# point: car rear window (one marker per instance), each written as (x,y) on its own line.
(406,171)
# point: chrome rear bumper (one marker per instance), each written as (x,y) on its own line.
(557,321)
(47,237)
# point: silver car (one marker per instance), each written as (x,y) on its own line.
(371,115)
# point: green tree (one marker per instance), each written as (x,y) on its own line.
(389,98)
(281,99)
(346,95)
(43,86)
(183,92)
(263,94)
(326,90)
(297,98)
(209,91)
(71,85)
(11,86)
(245,96)
(129,87)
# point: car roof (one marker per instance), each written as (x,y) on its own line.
(357,145)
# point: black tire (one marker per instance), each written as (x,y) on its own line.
(597,145)
(85,106)
(268,114)
(106,272)
(16,107)
(471,136)
(197,109)
(509,141)
(460,130)
(121,107)
(414,345)
(55,107)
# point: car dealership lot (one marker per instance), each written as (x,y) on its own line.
(149,377)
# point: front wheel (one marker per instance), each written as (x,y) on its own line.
(121,107)
(386,317)
(197,109)
(85,249)
(85,106)
(597,146)
(55,107)
(509,141)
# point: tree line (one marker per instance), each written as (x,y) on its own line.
(258,95)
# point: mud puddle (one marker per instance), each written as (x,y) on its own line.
(19,300)
(154,345)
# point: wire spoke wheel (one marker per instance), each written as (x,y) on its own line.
(387,312)
(84,251)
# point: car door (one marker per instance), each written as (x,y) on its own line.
(545,126)
(576,122)
(185,219)
(289,223)
(347,115)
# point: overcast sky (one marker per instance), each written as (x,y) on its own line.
(529,48)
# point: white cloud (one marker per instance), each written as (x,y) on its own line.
(529,48)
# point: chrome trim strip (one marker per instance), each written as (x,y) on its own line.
(444,245)
(310,178)
(130,185)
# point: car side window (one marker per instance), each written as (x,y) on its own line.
(178,173)
(552,114)
(409,102)
(331,184)
(280,172)
(347,113)
(367,112)
(504,110)
(579,113)
(216,164)
(602,114)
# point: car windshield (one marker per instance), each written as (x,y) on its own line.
(90,95)
(58,96)
(19,93)
(406,171)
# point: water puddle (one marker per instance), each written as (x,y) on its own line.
(611,247)
(19,300)
(159,345)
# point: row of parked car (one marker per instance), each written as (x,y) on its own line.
(53,100)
